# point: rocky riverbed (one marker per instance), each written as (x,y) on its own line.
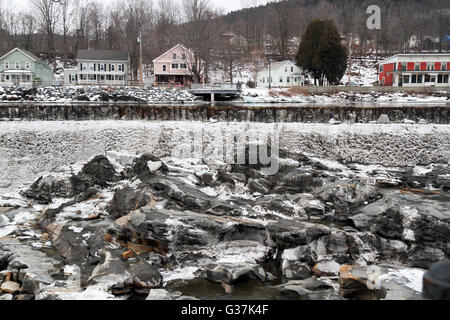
(154,226)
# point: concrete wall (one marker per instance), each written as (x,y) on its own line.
(268,114)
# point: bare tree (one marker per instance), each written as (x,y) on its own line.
(282,10)
(165,25)
(65,19)
(138,15)
(48,15)
(198,35)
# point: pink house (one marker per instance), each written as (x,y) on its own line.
(173,68)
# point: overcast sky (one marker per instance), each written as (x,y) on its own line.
(227,5)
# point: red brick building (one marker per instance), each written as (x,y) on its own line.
(415,70)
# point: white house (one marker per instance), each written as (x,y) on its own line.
(99,67)
(280,74)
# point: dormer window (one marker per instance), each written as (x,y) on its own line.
(174,56)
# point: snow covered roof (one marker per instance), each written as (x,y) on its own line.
(25,52)
(276,65)
(178,45)
(101,55)
(400,55)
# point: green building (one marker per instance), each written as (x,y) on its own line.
(22,68)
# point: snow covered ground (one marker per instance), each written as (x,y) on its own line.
(300,95)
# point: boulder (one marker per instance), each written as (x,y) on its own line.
(380,282)
(410,219)
(311,288)
(347,196)
(161,294)
(326,268)
(46,188)
(146,166)
(145,277)
(259,186)
(126,200)
(10,287)
(295,270)
(231,273)
(293,233)
(297,180)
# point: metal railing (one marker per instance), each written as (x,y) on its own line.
(216,86)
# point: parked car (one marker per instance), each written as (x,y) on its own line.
(351,84)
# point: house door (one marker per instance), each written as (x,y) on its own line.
(16,79)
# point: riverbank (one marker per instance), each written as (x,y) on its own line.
(110,204)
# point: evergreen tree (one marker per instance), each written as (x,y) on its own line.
(321,52)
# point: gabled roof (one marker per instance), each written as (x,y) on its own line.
(277,65)
(27,53)
(178,45)
(100,55)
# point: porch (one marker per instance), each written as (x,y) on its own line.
(18,78)
(173,80)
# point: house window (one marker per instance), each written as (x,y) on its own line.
(174,65)
(288,80)
(3,78)
(403,67)
(7,77)
(102,67)
(83,66)
(430,66)
(445,78)
(27,65)
(164,68)
(405,79)
(292,69)
(414,79)
(17,65)
(281,79)
(120,67)
(183,66)
(113,67)
(6,64)
(417,66)
(183,56)
(419,78)
(91,66)
(427,78)
(72,78)
(440,78)
(285,69)
(381,68)
(444,66)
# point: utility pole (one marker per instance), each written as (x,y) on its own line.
(350,58)
(141,69)
(270,75)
